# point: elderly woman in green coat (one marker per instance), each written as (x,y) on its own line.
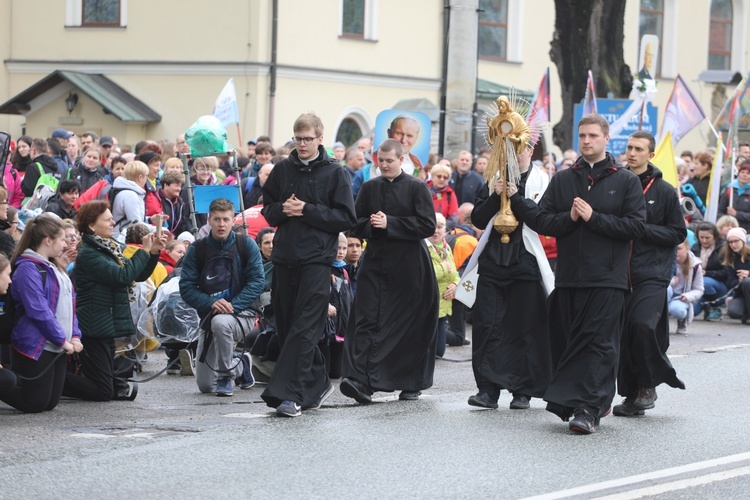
(104,284)
(447,278)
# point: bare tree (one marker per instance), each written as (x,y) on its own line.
(588,35)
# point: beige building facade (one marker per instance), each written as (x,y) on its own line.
(345,60)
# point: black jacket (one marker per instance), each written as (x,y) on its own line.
(86,177)
(701,186)
(466,186)
(739,203)
(57,207)
(329,209)
(654,254)
(49,165)
(593,253)
(251,193)
(713,268)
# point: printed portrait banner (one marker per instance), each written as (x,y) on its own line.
(412,129)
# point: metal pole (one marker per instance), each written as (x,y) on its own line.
(238,176)
(189,186)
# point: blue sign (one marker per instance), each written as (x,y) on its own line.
(612,109)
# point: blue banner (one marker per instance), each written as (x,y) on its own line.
(612,109)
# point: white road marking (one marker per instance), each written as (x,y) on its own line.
(681,484)
(659,476)
(247,415)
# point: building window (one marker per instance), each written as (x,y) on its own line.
(720,35)
(96,13)
(651,22)
(101,13)
(493,29)
(353,19)
(349,132)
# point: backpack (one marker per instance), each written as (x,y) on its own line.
(8,307)
(217,271)
(99,191)
(4,149)
(46,187)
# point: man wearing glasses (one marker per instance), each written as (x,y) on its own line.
(308,198)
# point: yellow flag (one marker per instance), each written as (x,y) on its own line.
(664,159)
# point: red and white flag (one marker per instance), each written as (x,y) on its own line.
(540,105)
(589,100)
(683,112)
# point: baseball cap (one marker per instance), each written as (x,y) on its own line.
(61,133)
(106,141)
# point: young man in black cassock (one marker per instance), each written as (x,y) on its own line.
(511,348)
(390,343)
(645,337)
(308,197)
(594,209)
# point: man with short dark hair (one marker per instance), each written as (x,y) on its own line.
(391,342)
(308,198)
(645,337)
(222,290)
(40,159)
(594,209)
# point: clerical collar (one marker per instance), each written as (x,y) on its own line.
(307,162)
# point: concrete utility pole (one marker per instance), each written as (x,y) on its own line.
(462,75)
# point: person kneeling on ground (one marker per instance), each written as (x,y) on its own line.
(221,277)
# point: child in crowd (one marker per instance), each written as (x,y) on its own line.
(686,287)
(332,343)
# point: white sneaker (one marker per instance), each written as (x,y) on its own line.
(187,363)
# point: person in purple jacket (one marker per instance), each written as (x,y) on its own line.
(46,328)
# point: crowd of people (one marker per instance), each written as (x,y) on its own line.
(347,262)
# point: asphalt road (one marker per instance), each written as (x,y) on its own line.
(175,442)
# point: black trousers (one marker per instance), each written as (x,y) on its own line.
(456,324)
(585,326)
(42,394)
(510,343)
(739,307)
(300,301)
(95,382)
(645,339)
(7,380)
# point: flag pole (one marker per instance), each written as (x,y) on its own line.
(716,134)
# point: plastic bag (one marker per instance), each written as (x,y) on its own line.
(207,137)
(168,316)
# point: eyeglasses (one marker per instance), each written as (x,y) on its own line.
(71,236)
(440,176)
(300,140)
(202,169)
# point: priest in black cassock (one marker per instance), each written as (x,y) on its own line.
(390,343)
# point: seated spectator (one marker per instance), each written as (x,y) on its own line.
(708,250)
(127,195)
(116,169)
(354,246)
(62,203)
(443,196)
(15,226)
(151,200)
(172,204)
(737,268)
(202,175)
(7,243)
(725,223)
(252,186)
(686,287)
(447,278)
(740,190)
(46,325)
(171,255)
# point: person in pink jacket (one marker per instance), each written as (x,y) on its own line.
(12,182)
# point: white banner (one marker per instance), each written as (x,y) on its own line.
(225,108)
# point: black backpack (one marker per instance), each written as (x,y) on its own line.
(217,271)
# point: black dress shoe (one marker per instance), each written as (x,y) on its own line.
(583,422)
(409,395)
(467,342)
(356,390)
(483,400)
(519,402)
